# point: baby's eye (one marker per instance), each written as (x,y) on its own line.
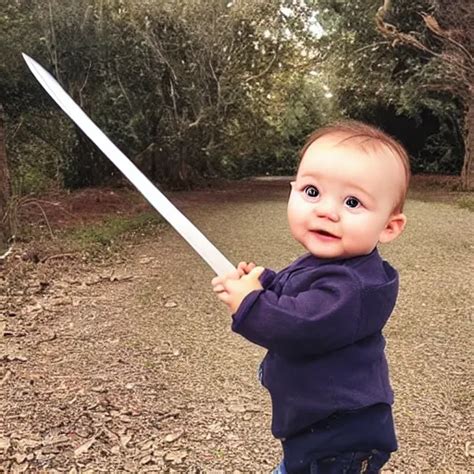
(352,202)
(311,191)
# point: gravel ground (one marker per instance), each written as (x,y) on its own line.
(130,365)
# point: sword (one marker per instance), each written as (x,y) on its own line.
(198,241)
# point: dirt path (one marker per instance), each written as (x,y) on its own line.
(130,365)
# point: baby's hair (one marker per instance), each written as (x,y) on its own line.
(351,129)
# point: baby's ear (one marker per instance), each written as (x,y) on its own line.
(393,228)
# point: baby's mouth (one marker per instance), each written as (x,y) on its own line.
(326,234)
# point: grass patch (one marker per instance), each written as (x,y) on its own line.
(466,202)
(113,230)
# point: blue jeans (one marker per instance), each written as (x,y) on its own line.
(347,463)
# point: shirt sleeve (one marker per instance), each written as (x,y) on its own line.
(322,318)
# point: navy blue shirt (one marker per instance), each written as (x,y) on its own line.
(321,321)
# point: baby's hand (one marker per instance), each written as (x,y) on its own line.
(232,290)
(242,269)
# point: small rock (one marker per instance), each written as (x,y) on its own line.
(170,304)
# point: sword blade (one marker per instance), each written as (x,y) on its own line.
(198,241)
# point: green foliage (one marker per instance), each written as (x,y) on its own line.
(442,153)
(112,230)
(367,74)
(467,203)
(206,88)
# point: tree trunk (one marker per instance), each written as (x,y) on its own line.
(5,190)
(467,181)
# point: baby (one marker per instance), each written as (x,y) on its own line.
(321,318)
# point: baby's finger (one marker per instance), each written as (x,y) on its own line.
(250,267)
(241,268)
(224,297)
(218,288)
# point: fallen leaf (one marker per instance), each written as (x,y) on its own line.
(13,358)
(173,437)
(20,458)
(33,308)
(61,301)
(5,378)
(58,439)
(115,449)
(19,468)
(176,457)
(125,439)
(29,443)
(148,445)
(145,460)
(5,443)
(84,447)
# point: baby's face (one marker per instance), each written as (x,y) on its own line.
(341,204)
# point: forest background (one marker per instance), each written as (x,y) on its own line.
(203,89)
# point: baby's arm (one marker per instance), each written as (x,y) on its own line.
(235,286)
(320,315)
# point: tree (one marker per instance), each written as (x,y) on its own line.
(452,57)
(373,81)
(5,190)
(181,86)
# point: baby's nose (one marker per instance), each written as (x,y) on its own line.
(327,209)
